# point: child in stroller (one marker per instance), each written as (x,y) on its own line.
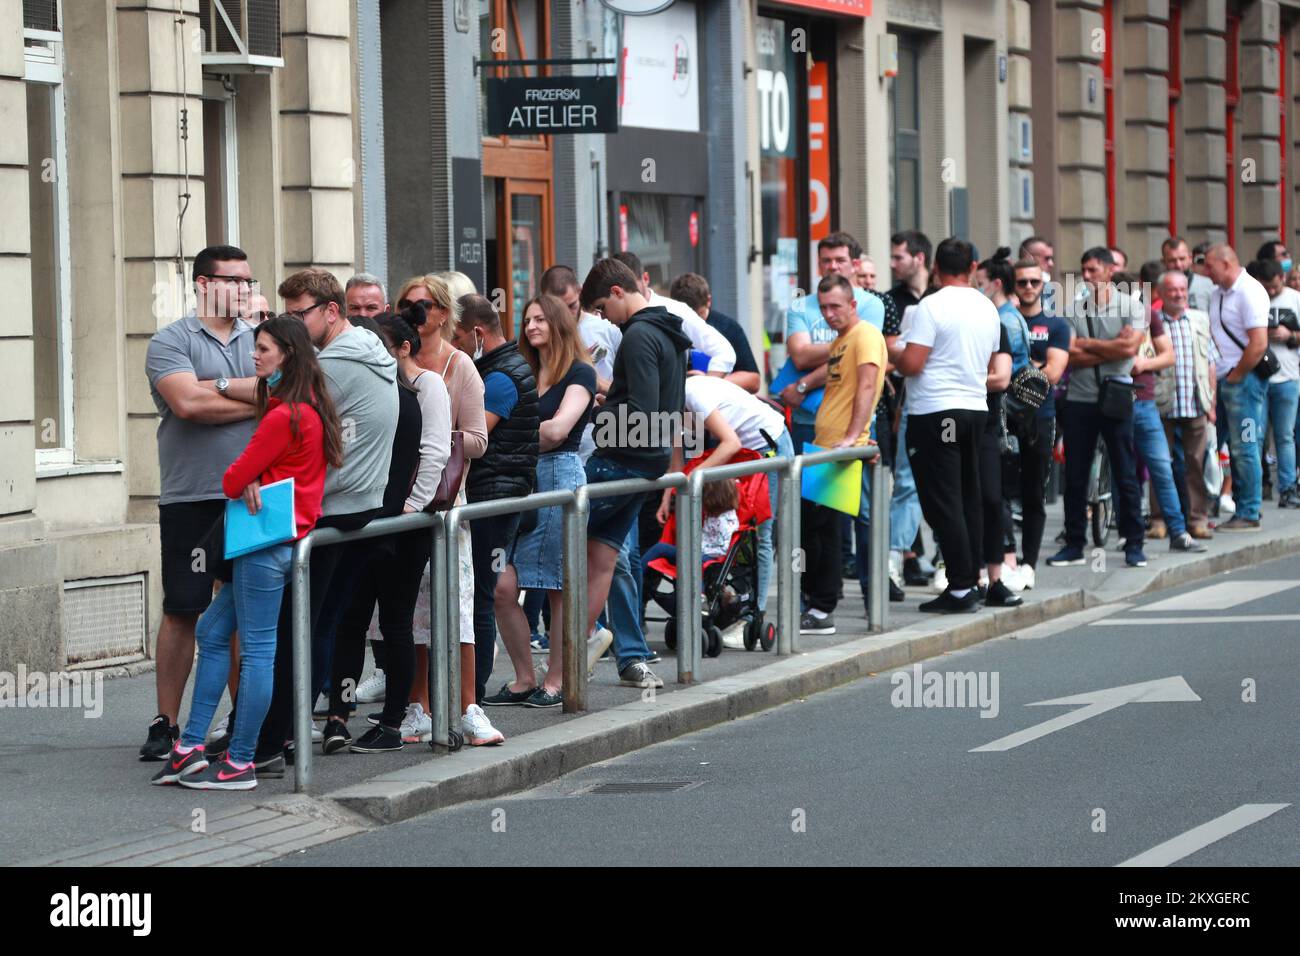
(733,510)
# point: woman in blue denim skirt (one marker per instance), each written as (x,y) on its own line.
(566,392)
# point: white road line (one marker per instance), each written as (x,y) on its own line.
(1198,838)
(1221,619)
(1220,597)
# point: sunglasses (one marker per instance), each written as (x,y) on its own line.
(407,303)
(1028,282)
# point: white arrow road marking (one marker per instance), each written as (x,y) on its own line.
(1198,838)
(1165,690)
(1218,597)
(1219,619)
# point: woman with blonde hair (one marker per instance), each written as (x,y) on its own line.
(465,389)
(566,392)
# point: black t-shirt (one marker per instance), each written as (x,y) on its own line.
(893,317)
(580,373)
(995,398)
(734,334)
(903,297)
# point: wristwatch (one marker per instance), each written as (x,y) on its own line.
(223,383)
(801,387)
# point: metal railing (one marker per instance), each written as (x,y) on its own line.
(446,528)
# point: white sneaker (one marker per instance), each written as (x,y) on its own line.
(1227,505)
(597,645)
(1013,578)
(317,735)
(218,731)
(478,729)
(940,582)
(372,689)
(417,726)
(896,567)
(1027,576)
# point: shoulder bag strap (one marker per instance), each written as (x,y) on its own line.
(1096,369)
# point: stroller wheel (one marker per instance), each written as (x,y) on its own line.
(714,637)
(751,633)
(767,636)
(670,635)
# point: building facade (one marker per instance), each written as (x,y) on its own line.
(349,134)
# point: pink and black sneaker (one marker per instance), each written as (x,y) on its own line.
(180,765)
(222,775)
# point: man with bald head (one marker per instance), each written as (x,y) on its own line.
(1239,319)
(1192,403)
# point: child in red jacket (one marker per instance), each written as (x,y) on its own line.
(297,435)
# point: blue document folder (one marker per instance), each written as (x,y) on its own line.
(788,375)
(273,524)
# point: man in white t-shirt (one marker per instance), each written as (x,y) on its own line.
(1284,387)
(947,354)
(1239,320)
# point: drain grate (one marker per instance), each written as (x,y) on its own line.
(652,786)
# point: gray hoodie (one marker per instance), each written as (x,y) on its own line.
(362,380)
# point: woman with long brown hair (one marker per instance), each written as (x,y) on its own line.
(297,435)
(566,392)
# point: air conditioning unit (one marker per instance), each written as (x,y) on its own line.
(240,36)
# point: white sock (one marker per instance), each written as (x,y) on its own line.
(960,594)
(820,615)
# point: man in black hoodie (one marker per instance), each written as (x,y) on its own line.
(632,434)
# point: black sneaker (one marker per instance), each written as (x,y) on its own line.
(946,603)
(540,699)
(180,765)
(981,592)
(222,775)
(378,740)
(217,749)
(654,657)
(849,570)
(895,592)
(271,766)
(1066,557)
(162,737)
(913,576)
(1289,498)
(1185,542)
(810,624)
(506,697)
(336,737)
(999,595)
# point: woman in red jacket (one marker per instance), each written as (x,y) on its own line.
(297,435)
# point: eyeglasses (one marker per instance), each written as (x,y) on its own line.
(1028,282)
(407,303)
(237,280)
(301,314)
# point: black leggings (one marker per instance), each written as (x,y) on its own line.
(991,490)
(392,578)
(1035,465)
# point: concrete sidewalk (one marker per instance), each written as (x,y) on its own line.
(72,790)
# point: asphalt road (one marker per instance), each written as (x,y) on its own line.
(846,777)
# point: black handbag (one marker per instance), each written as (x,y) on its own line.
(1267,366)
(1115,397)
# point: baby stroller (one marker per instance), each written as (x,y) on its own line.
(729,583)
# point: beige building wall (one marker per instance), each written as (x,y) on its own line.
(1203,206)
(1259,116)
(1080,131)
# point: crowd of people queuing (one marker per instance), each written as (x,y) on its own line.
(972,376)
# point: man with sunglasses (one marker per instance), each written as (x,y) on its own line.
(201,377)
(1049,349)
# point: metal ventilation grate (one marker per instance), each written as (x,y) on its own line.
(652,786)
(104,619)
(41,15)
(263,27)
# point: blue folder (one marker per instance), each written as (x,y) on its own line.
(273,524)
(788,375)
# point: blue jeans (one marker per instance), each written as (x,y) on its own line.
(904,505)
(624,602)
(784,449)
(1282,398)
(1149,437)
(1245,403)
(251,605)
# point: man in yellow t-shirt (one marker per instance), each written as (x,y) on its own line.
(853,370)
(856,364)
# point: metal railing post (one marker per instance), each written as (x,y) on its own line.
(789,557)
(689,608)
(575,602)
(439,640)
(878,546)
(451,608)
(301,571)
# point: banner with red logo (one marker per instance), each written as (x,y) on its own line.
(848,8)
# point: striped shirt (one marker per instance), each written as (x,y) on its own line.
(1180,331)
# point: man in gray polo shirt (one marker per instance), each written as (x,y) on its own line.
(201,376)
(1108,329)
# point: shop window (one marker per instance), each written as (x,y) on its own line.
(220,163)
(47,195)
(905,137)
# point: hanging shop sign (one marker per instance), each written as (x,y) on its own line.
(551,105)
(848,8)
(637,8)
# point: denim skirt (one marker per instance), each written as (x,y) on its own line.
(539,555)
